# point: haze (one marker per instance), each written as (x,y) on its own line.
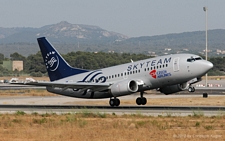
(129,17)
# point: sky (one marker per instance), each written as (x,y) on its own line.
(133,18)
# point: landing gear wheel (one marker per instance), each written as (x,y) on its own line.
(114,102)
(191,89)
(138,101)
(117,102)
(141,101)
(111,102)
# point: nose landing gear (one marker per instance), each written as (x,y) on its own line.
(191,89)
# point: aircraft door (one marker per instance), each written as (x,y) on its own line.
(176,65)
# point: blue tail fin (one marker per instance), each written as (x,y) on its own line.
(56,66)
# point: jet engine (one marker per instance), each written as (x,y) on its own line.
(124,87)
(174,88)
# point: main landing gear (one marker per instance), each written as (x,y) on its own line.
(141,100)
(191,89)
(114,102)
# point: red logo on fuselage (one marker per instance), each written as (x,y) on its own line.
(153,73)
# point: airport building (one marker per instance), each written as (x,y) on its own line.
(13,65)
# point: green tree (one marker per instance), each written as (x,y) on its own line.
(35,63)
(17,56)
(1,56)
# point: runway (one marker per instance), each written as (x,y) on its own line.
(121,110)
(62,105)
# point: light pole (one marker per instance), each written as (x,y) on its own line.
(206,40)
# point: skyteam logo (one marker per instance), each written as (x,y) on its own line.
(51,61)
(159,74)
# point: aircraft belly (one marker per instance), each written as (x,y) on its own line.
(164,81)
(154,83)
(79,94)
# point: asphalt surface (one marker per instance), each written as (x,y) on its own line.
(57,105)
(140,110)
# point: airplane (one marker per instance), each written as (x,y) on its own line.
(168,74)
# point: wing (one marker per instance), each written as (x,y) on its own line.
(81,85)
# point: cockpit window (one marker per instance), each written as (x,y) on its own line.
(198,58)
(192,59)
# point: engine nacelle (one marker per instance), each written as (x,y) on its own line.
(124,87)
(174,88)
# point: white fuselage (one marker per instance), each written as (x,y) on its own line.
(150,73)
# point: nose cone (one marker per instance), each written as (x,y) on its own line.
(201,67)
(210,65)
(205,66)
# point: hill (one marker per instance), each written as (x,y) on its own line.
(66,32)
(68,37)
